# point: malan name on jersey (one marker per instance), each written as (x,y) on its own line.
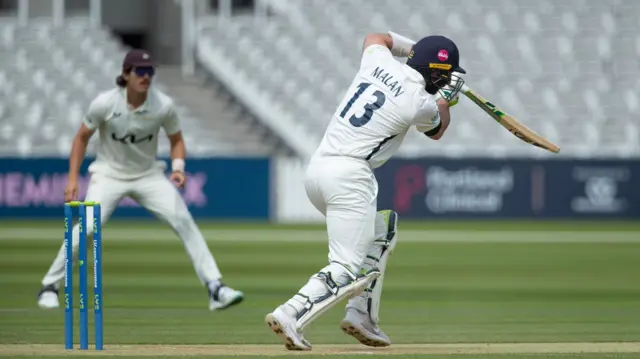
(385,77)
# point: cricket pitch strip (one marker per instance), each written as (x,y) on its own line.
(325,349)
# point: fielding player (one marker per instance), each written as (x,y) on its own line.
(129,119)
(385,99)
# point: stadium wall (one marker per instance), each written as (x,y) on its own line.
(220,188)
(432,188)
(273,189)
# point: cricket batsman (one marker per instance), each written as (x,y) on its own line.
(128,119)
(384,101)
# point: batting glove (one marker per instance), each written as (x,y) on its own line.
(451,92)
(447,95)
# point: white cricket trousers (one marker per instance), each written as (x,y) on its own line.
(345,190)
(159,196)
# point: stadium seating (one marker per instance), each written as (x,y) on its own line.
(568,69)
(48,76)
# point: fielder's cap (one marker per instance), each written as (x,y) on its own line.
(137,58)
(436,52)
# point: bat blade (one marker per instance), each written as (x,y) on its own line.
(509,122)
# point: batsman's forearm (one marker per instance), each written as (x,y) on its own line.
(445,118)
(78,150)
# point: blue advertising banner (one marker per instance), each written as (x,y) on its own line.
(488,188)
(233,188)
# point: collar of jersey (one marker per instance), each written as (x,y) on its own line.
(413,74)
(142,109)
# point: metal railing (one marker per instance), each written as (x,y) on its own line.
(58,12)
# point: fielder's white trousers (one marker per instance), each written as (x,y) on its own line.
(159,196)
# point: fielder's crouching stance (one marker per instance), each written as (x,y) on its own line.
(383,102)
(128,119)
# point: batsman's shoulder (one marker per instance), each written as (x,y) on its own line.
(375,54)
(421,98)
(372,49)
(425,105)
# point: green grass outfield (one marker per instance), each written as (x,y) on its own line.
(547,290)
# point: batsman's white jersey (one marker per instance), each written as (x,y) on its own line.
(129,138)
(385,99)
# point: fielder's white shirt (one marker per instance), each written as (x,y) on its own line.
(129,138)
(385,99)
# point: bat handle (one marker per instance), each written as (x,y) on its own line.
(464,88)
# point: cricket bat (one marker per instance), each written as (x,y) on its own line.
(509,122)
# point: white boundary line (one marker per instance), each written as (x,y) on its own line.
(279,235)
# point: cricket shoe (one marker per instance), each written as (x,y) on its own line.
(284,326)
(361,327)
(48,297)
(222,297)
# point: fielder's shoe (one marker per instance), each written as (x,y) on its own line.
(360,326)
(222,297)
(284,326)
(48,297)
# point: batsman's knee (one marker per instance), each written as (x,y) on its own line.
(335,274)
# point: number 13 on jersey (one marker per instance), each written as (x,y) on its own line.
(369,107)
